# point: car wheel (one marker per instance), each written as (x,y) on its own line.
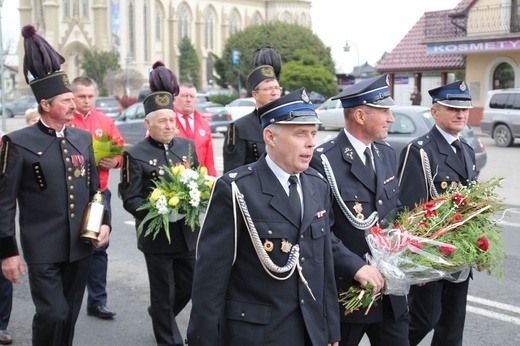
(503,136)
(9,113)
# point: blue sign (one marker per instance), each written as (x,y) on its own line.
(236,56)
(400,80)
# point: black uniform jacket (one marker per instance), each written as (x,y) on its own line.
(356,189)
(142,164)
(235,302)
(445,167)
(244,142)
(53,180)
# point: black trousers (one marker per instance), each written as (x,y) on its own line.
(438,305)
(57,291)
(6,300)
(171,279)
(389,331)
(97,276)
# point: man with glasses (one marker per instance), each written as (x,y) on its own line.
(244,141)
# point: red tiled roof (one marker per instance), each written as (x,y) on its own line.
(410,54)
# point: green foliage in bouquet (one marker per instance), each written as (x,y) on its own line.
(105,147)
(181,191)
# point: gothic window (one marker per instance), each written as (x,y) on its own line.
(183,23)
(158,22)
(503,76)
(84,9)
(208,30)
(145,31)
(257,20)
(66,9)
(286,17)
(233,23)
(131,30)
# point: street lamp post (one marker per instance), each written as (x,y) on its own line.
(4,126)
(347,48)
(129,57)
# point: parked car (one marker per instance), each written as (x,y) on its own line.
(240,107)
(131,123)
(412,122)
(19,106)
(502,116)
(330,113)
(216,115)
(108,105)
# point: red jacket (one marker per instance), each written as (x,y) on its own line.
(202,138)
(98,124)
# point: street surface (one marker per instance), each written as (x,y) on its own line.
(493,316)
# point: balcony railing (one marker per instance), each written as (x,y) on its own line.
(483,20)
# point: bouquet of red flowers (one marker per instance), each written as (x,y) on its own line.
(439,239)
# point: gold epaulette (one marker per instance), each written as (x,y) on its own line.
(231,135)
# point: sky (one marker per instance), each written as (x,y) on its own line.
(372,27)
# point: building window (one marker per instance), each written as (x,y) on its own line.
(286,17)
(84,9)
(66,9)
(183,23)
(503,76)
(208,30)
(257,20)
(131,30)
(233,23)
(158,22)
(145,32)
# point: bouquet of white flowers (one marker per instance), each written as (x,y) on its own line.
(182,192)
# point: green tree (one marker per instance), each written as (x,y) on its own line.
(189,68)
(96,65)
(306,71)
(288,39)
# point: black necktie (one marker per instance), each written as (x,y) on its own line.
(460,154)
(294,197)
(368,163)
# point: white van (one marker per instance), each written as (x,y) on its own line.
(502,116)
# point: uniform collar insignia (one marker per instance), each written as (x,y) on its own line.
(319,150)
(232,175)
(349,153)
(420,142)
(376,149)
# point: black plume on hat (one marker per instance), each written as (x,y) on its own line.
(44,64)
(268,56)
(40,58)
(162,79)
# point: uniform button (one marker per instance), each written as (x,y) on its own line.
(69,178)
(355,197)
(302,259)
(65,151)
(340,278)
(167,153)
(242,315)
(71,206)
(71,187)
(322,230)
(71,197)
(269,232)
(69,169)
(72,215)
(63,142)
(67,159)
(302,301)
(302,237)
(380,202)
